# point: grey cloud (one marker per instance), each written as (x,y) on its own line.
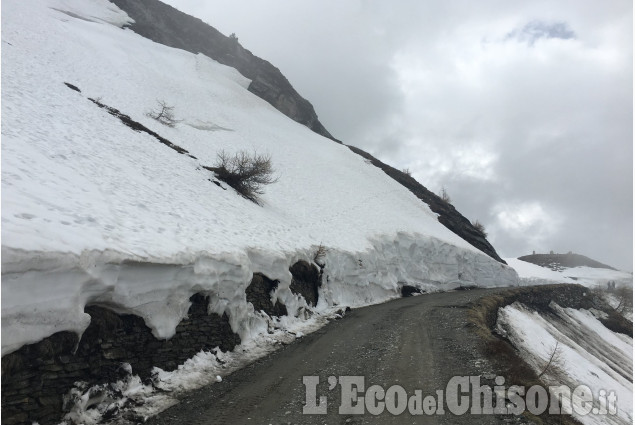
(536,30)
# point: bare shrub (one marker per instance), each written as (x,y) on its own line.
(620,298)
(445,197)
(320,253)
(246,173)
(407,172)
(479,228)
(624,296)
(554,364)
(163,113)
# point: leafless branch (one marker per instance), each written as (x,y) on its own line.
(246,173)
(163,113)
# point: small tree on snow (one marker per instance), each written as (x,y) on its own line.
(246,173)
(554,364)
(163,113)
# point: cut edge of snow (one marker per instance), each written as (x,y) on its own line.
(158,290)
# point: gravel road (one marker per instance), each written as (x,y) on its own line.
(419,343)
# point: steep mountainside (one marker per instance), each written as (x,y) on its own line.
(166,25)
(448,215)
(562,261)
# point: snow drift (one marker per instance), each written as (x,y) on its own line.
(96,213)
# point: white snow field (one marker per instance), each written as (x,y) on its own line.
(96,213)
(532,274)
(589,354)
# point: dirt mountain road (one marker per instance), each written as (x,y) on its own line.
(417,343)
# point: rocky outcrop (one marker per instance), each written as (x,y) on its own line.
(306,281)
(484,313)
(259,295)
(448,215)
(164,24)
(36,377)
(409,291)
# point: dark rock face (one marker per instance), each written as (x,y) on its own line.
(137,126)
(559,261)
(409,291)
(448,215)
(306,281)
(539,298)
(36,377)
(259,294)
(166,25)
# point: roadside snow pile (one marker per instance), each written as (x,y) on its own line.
(589,354)
(134,402)
(532,274)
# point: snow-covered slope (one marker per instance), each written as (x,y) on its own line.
(587,354)
(532,274)
(96,213)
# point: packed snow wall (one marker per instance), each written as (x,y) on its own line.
(37,377)
(45,293)
(101,315)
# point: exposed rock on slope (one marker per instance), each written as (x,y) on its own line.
(560,261)
(448,215)
(166,25)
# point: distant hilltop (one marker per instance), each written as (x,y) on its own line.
(560,262)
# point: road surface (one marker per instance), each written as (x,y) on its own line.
(417,343)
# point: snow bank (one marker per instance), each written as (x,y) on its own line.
(590,354)
(46,293)
(532,274)
(589,276)
(206,367)
(95,213)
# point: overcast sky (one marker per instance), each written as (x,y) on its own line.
(523,111)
